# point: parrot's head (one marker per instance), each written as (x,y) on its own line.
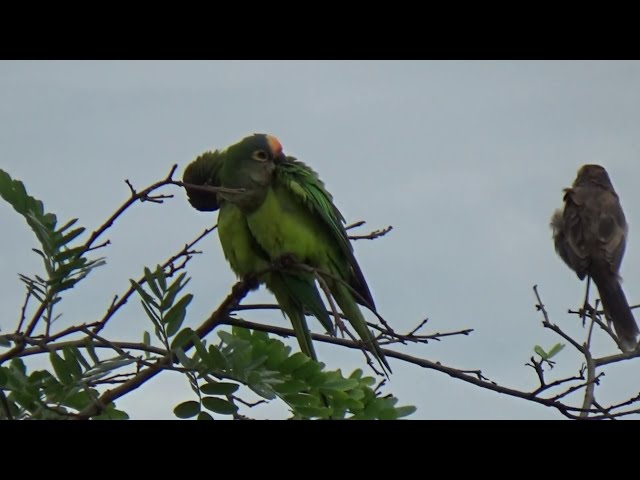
(203,171)
(593,174)
(250,165)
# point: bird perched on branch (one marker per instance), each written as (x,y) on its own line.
(282,215)
(590,236)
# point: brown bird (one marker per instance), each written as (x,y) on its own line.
(590,236)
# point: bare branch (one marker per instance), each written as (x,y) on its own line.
(547,323)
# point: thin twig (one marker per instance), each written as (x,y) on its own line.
(547,323)
(23,310)
(355,225)
(373,235)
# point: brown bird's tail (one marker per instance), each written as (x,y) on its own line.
(617,309)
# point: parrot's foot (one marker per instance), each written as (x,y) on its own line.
(252,282)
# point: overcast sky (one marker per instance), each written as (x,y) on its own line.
(466,159)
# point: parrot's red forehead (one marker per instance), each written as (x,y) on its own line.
(274,145)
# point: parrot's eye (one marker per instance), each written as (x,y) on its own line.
(260,155)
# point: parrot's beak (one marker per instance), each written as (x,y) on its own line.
(280,158)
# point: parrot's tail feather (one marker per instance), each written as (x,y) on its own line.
(302,333)
(303,289)
(293,294)
(351,310)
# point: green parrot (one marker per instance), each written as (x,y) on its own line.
(284,214)
(294,291)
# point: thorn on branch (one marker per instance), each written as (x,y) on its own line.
(102,245)
(355,225)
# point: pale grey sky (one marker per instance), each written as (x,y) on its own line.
(466,159)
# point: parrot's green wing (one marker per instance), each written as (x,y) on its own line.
(204,171)
(304,183)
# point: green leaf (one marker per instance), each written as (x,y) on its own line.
(538,349)
(53,390)
(293,362)
(151,282)
(317,380)
(91,350)
(26,401)
(80,358)
(388,414)
(353,405)
(175,316)
(405,411)
(182,338)
(151,314)
(40,378)
(219,388)
(48,219)
(17,365)
(78,400)
(175,324)
(204,416)
(229,339)
(4,342)
(61,368)
(148,299)
(218,405)
(278,353)
(291,386)
(69,253)
(356,394)
(67,225)
(112,414)
(66,285)
(265,391)
(202,352)
(301,400)
(183,359)
(161,278)
(336,395)
(557,348)
(341,384)
(243,333)
(217,357)
(187,409)
(174,289)
(314,412)
(65,239)
(368,381)
(4,378)
(146,338)
(72,362)
(308,370)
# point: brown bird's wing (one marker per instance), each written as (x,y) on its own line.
(592,228)
(568,233)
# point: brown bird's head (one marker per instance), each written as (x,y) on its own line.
(593,175)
